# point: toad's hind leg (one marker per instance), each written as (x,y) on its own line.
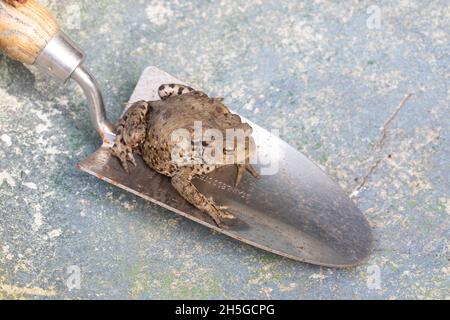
(168,90)
(182,182)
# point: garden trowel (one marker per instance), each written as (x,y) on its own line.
(293,210)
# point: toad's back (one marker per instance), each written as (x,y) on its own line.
(180,112)
(148,127)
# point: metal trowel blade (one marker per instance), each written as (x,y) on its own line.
(293,210)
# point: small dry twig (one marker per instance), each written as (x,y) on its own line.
(380,144)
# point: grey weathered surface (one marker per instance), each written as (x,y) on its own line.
(312,69)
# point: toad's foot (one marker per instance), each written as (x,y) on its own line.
(167,90)
(182,183)
(124,153)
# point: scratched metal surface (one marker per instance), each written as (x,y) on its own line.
(312,69)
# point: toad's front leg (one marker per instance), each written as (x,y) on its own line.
(130,133)
(241,168)
(182,182)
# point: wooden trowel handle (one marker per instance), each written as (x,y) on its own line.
(26,27)
(29,33)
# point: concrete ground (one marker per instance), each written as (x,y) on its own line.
(331,75)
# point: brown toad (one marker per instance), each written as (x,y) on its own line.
(166,134)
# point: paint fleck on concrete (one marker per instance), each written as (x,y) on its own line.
(312,69)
